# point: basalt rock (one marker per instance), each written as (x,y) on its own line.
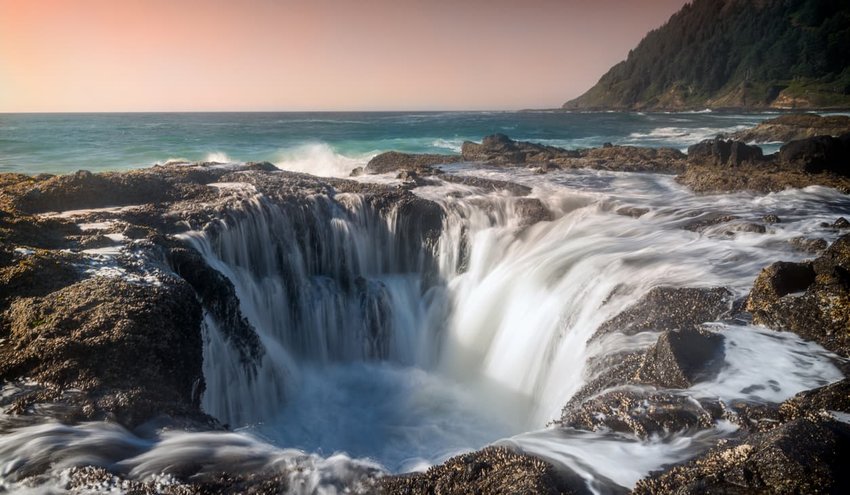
(639,413)
(723,166)
(131,350)
(787,128)
(801,243)
(810,299)
(670,308)
(818,154)
(394,161)
(493,470)
(801,456)
(721,153)
(218,296)
(682,357)
(499,149)
(829,398)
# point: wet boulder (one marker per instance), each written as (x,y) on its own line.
(787,128)
(818,154)
(706,220)
(801,456)
(721,153)
(682,357)
(531,211)
(810,299)
(500,149)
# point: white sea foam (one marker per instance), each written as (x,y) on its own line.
(319,159)
(218,157)
(448,144)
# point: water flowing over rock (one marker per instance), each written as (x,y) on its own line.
(407,323)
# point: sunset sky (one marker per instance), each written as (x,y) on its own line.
(196,55)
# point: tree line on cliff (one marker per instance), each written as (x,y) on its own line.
(735,53)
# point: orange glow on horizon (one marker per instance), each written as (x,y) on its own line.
(194,55)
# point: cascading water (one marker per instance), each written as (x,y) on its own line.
(403,355)
(400,348)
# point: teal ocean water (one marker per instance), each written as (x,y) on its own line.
(324,143)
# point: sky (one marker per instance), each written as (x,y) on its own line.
(297,55)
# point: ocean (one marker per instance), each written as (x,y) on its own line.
(321,143)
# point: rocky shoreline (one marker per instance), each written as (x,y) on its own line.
(85,339)
(712,166)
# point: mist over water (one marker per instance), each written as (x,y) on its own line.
(385,353)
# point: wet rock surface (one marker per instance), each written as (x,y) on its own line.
(722,153)
(682,357)
(818,154)
(127,347)
(394,161)
(801,456)
(671,308)
(119,337)
(723,166)
(811,299)
(640,413)
(499,149)
(787,128)
(496,470)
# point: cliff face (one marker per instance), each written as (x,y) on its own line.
(735,54)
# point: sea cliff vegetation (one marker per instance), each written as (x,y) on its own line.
(735,54)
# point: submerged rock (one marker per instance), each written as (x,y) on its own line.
(489,185)
(800,243)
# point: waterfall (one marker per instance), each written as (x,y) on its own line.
(384,342)
(323,280)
